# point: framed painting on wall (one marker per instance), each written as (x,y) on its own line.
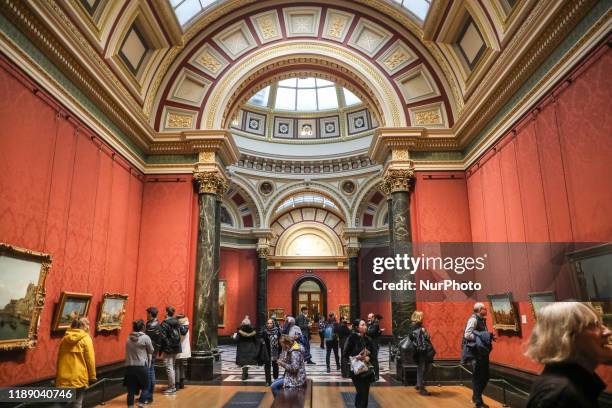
(277,313)
(222,301)
(22,295)
(503,313)
(344,310)
(71,306)
(112,312)
(592,278)
(540,299)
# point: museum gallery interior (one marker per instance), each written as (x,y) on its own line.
(242,157)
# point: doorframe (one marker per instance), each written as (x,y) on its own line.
(296,286)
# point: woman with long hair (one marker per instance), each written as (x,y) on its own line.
(360,348)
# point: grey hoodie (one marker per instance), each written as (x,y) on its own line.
(138,349)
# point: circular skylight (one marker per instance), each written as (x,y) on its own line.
(304,95)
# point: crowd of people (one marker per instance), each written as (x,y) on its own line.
(569,339)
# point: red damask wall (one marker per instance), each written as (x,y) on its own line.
(546,181)
(239,270)
(64,192)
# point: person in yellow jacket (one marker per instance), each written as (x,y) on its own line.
(76,362)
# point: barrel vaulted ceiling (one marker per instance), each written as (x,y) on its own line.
(445,71)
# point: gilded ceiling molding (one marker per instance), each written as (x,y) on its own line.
(215,111)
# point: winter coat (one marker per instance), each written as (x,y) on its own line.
(423,348)
(171,344)
(185,340)
(138,349)
(293,363)
(566,385)
(343,333)
(247,351)
(294,332)
(76,362)
(153,330)
(271,338)
(355,344)
(481,345)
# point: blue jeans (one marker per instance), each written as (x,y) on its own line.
(147,395)
(277,386)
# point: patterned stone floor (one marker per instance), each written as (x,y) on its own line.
(232,373)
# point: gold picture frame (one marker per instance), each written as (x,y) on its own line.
(112,312)
(540,299)
(278,312)
(25,272)
(71,306)
(503,313)
(344,310)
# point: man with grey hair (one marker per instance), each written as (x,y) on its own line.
(476,345)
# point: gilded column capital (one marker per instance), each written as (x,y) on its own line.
(352,251)
(263,251)
(397,179)
(211,182)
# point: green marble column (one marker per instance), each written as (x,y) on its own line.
(205,354)
(354,300)
(396,185)
(262,286)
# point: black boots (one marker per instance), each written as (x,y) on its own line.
(245,373)
(181,384)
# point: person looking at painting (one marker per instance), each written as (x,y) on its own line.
(171,346)
(76,362)
(153,330)
(138,354)
(476,347)
(424,350)
(570,340)
(185,354)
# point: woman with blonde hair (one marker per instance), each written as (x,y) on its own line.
(571,341)
(424,351)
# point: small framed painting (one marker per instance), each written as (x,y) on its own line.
(112,312)
(71,306)
(277,313)
(540,299)
(344,310)
(503,313)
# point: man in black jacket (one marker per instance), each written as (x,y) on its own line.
(153,330)
(303,322)
(170,346)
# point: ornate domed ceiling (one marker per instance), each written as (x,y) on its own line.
(157,78)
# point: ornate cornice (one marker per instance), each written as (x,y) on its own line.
(211,182)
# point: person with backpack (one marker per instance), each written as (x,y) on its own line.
(424,351)
(330,333)
(171,346)
(185,354)
(153,330)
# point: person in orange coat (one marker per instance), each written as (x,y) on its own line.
(76,363)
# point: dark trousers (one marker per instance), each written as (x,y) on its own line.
(147,395)
(332,345)
(132,390)
(374,361)
(322,337)
(480,378)
(362,386)
(271,370)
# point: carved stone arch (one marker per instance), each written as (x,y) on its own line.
(304,187)
(243,205)
(243,185)
(365,190)
(372,206)
(242,77)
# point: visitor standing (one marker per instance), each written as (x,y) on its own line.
(248,347)
(476,347)
(138,354)
(303,322)
(344,331)
(171,346)
(76,362)
(330,333)
(185,354)
(424,350)
(360,348)
(374,333)
(271,335)
(153,330)
(321,325)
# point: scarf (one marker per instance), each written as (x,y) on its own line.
(273,334)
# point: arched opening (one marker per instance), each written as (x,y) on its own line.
(310,291)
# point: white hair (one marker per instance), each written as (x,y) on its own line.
(553,338)
(478,306)
(290,320)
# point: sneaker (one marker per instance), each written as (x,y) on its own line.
(140,404)
(416,387)
(169,391)
(311,362)
(424,392)
(328,370)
